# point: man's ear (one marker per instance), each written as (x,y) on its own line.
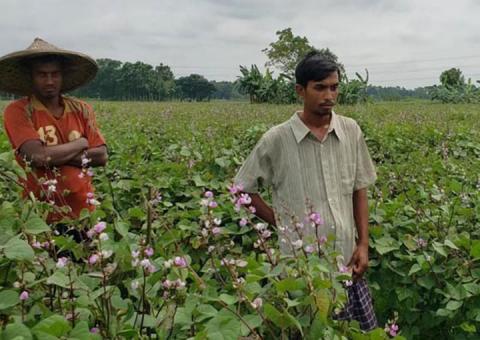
(300,90)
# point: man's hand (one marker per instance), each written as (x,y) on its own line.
(359,261)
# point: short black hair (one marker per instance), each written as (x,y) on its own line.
(315,66)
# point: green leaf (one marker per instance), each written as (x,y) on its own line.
(439,249)
(8,298)
(207,311)
(290,284)
(224,326)
(81,331)
(17,330)
(475,249)
(228,299)
(415,268)
(122,228)
(254,321)
(19,250)
(35,225)
(59,278)
(55,325)
(274,315)
(322,300)
(450,244)
(454,305)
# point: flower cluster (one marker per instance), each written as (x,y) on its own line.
(91,200)
(51,186)
(263,233)
(391,327)
(348,271)
(209,200)
(86,170)
(140,258)
(421,243)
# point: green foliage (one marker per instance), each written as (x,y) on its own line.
(424,221)
(289,49)
(194,87)
(452,78)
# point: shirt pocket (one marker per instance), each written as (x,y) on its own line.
(347,185)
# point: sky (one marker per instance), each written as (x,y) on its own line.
(401,42)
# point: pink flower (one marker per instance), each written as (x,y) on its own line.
(180,262)
(93,259)
(179,284)
(90,172)
(392,329)
(148,252)
(90,195)
(24,295)
(309,249)
(167,284)
(91,233)
(421,243)
(234,189)
(208,194)
(252,209)
(213,204)
(244,199)
(343,269)
(135,253)
(94,330)
(243,222)
(316,218)
(36,245)
(99,227)
(323,239)
(62,262)
(216,230)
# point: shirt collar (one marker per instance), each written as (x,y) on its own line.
(300,130)
(38,106)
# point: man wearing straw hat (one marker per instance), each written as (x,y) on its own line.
(54,137)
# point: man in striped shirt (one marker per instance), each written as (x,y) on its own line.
(318,161)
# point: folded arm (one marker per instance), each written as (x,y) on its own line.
(98,157)
(40,155)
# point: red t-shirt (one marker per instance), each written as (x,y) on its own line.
(28,119)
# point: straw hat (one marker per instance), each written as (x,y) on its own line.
(15,78)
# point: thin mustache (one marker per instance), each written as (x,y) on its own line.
(327,103)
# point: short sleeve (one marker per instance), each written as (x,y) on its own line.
(256,170)
(18,126)
(365,172)
(93,134)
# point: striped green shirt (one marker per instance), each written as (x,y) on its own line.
(307,175)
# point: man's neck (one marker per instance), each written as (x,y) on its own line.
(53,105)
(315,120)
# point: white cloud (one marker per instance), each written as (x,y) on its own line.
(405,43)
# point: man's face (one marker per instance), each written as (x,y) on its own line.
(47,79)
(319,97)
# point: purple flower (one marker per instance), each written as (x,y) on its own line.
(392,329)
(243,222)
(244,199)
(323,239)
(180,262)
(148,252)
(36,245)
(99,227)
(216,230)
(90,172)
(213,204)
(167,284)
(208,194)
(94,330)
(24,295)
(93,259)
(343,269)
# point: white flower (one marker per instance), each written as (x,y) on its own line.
(241,263)
(103,236)
(217,221)
(297,244)
(62,262)
(257,303)
(134,284)
(167,264)
(106,253)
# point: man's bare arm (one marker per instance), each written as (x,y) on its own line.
(40,155)
(98,157)
(359,260)
(263,210)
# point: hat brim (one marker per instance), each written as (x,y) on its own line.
(79,69)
